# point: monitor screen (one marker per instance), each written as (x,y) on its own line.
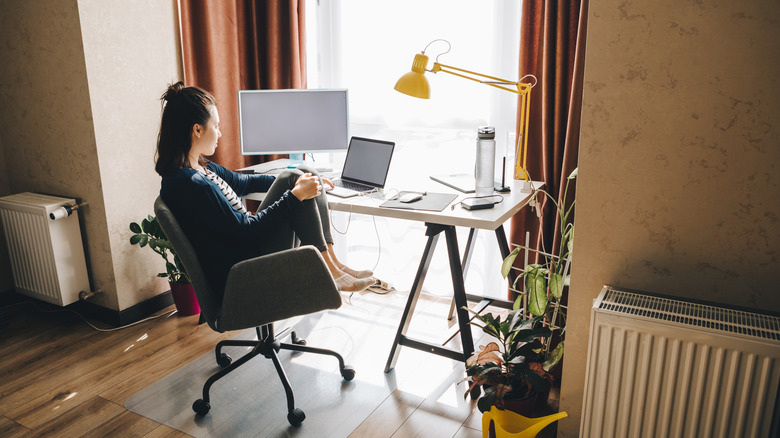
(292,121)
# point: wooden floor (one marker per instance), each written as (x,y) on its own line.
(60,377)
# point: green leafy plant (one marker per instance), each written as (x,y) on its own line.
(149,233)
(544,282)
(510,368)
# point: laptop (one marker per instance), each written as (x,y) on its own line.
(365,167)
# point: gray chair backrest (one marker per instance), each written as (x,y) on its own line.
(210,305)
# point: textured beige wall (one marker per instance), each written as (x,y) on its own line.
(80,83)
(6,277)
(48,140)
(132,53)
(678,183)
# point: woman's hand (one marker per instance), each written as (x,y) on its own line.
(327,181)
(307,187)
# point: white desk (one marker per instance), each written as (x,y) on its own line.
(437,223)
(487,219)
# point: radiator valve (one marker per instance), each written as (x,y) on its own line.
(65,211)
(85,295)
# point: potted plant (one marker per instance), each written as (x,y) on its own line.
(149,233)
(510,369)
(544,282)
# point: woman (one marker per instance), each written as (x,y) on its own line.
(205,197)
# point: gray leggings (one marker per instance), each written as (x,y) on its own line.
(311,226)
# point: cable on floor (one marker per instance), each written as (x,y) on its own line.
(166,314)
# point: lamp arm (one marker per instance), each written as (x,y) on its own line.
(523,89)
(495,82)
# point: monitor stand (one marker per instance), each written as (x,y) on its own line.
(277,166)
(295,161)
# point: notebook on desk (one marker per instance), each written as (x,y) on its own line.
(365,167)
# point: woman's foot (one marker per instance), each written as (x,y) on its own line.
(348,283)
(357,274)
(331,254)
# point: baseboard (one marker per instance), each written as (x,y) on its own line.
(93,312)
(3,316)
(118,318)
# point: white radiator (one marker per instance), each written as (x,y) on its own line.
(47,256)
(660,367)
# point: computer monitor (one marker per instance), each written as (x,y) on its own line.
(293,121)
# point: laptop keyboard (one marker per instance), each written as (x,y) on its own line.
(352,186)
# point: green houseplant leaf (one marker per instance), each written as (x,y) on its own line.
(149,233)
(509,261)
(135,238)
(556,285)
(536,286)
(554,357)
(145,225)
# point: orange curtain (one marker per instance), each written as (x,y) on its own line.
(236,45)
(552,48)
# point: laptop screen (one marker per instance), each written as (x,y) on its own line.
(368,161)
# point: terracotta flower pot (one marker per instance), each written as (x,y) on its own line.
(185,299)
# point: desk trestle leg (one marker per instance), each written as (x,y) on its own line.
(433,231)
(466,261)
(459,291)
(411,302)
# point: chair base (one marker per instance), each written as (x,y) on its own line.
(268,345)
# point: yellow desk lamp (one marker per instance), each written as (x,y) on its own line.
(415,84)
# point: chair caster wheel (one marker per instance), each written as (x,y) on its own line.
(296,340)
(223,360)
(201,407)
(296,417)
(348,373)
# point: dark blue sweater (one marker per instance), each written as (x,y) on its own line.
(221,235)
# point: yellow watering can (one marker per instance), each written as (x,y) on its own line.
(508,424)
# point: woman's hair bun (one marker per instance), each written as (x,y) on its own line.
(173,91)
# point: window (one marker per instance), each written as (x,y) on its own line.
(366,46)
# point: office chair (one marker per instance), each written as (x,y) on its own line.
(257,293)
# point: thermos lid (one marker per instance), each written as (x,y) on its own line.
(487,132)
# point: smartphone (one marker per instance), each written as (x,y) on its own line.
(476,203)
